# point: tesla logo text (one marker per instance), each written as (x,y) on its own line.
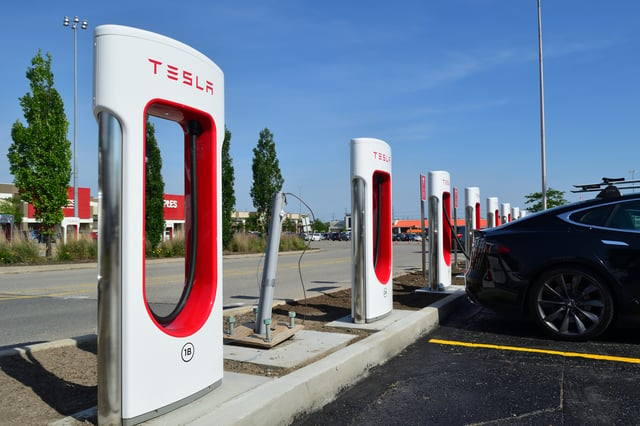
(181,75)
(171,204)
(382,156)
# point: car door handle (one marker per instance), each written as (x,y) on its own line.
(615,243)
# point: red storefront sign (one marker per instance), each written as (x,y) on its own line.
(173,207)
(84,204)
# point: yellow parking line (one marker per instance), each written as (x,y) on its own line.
(17,296)
(539,351)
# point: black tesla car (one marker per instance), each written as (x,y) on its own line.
(573,269)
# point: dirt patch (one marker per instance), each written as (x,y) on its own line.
(44,386)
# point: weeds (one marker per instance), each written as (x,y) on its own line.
(20,250)
(85,249)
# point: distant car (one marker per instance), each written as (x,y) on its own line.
(339,236)
(572,269)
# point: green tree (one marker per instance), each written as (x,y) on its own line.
(320,226)
(267,178)
(228,193)
(40,155)
(154,188)
(554,198)
(251,223)
(12,206)
(288,225)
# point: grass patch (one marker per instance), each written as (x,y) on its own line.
(20,250)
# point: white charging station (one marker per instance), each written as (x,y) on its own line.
(439,196)
(371,243)
(505,212)
(471,214)
(515,213)
(493,212)
(149,364)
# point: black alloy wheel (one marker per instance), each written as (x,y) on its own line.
(571,304)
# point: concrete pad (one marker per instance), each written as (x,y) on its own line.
(233,385)
(244,335)
(304,346)
(450,289)
(381,324)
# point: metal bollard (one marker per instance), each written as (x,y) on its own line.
(232,325)
(267,324)
(292,321)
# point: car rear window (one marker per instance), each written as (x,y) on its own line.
(597,216)
(618,216)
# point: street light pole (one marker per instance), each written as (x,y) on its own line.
(74,27)
(542,141)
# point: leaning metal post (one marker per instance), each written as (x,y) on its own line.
(271,263)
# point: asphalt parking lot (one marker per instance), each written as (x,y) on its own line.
(479,368)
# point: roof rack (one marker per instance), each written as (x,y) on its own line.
(608,188)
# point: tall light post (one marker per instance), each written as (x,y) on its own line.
(74,27)
(542,141)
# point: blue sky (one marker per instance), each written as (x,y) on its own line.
(449,85)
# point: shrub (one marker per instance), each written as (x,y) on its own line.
(251,243)
(82,249)
(247,243)
(292,242)
(168,248)
(20,250)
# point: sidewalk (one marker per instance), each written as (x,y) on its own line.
(316,364)
(255,400)
(247,399)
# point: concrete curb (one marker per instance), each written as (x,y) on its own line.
(280,401)
(38,347)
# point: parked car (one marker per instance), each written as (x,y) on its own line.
(316,236)
(415,237)
(573,269)
(340,236)
(401,237)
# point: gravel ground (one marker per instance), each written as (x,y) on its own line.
(42,386)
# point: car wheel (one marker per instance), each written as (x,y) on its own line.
(571,304)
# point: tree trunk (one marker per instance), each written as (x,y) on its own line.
(47,241)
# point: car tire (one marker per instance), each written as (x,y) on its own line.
(571,303)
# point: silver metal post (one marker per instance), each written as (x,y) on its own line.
(542,138)
(75,122)
(110,270)
(358,252)
(271,262)
(434,274)
(74,27)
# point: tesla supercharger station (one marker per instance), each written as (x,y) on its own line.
(493,212)
(439,196)
(505,212)
(471,214)
(149,364)
(371,244)
(515,213)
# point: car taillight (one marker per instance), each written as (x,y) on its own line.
(503,249)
